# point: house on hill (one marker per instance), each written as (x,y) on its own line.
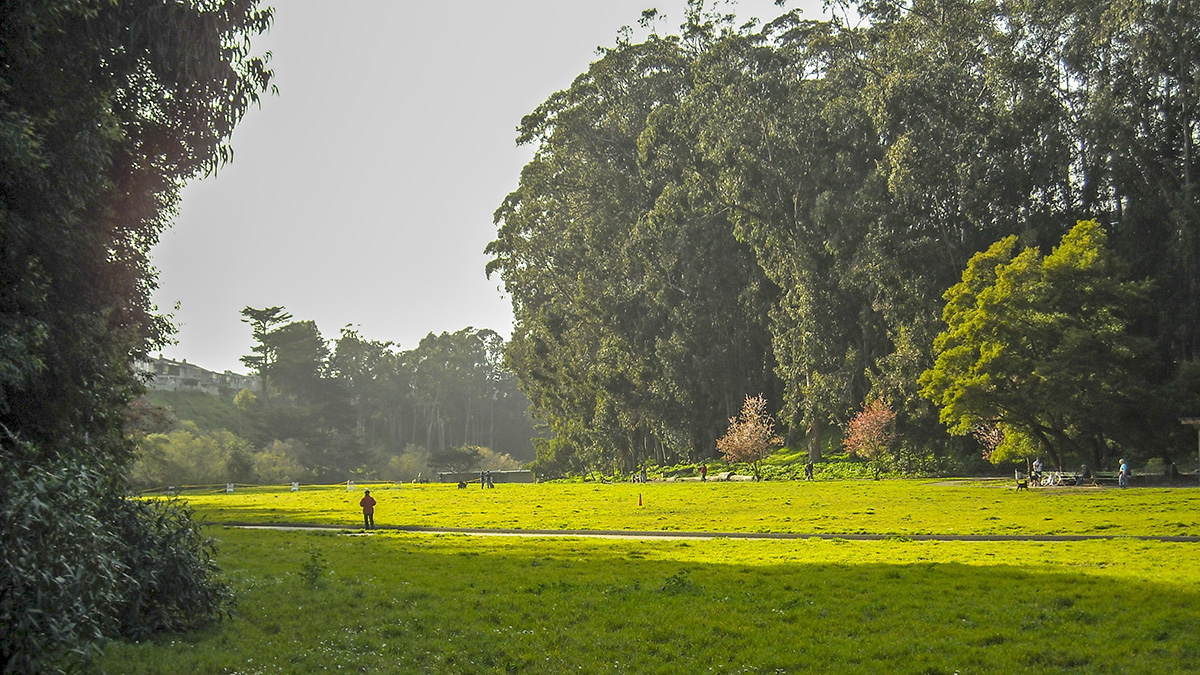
(171,375)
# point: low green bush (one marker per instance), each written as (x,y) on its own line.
(82,563)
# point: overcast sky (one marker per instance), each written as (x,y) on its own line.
(363,193)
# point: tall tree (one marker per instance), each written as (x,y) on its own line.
(638,313)
(310,405)
(363,367)
(786,152)
(262,356)
(106,110)
(858,168)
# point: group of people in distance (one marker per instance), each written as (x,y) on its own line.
(1084,473)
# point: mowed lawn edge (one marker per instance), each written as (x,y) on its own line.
(889,507)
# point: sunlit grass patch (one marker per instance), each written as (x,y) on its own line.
(839,507)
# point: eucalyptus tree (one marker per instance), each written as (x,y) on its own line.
(858,169)
(562,247)
(364,368)
(640,318)
(963,159)
(1130,75)
(782,151)
(457,382)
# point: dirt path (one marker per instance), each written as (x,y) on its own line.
(665,535)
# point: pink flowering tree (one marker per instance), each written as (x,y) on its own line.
(871,433)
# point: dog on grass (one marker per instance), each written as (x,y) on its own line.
(1023,485)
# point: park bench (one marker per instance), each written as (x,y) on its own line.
(1105,476)
(1049,479)
(1058,478)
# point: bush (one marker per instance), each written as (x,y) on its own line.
(189,456)
(170,569)
(280,463)
(83,563)
(61,575)
(411,465)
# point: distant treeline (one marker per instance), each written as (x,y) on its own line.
(329,410)
(780,208)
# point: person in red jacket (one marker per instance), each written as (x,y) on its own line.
(368,506)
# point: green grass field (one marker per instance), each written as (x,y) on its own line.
(396,602)
(900,507)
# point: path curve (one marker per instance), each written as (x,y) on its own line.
(666,534)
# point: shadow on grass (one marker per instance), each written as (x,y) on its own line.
(456,604)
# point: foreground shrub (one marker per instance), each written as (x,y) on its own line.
(60,576)
(170,570)
(82,564)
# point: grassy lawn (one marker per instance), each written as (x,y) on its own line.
(396,602)
(419,603)
(897,507)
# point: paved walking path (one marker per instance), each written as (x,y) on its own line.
(666,534)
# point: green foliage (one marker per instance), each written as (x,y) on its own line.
(84,564)
(314,569)
(843,470)
(679,584)
(188,456)
(1045,348)
(171,569)
(108,109)
(262,357)
(640,318)
(358,407)
(63,576)
(281,462)
(1014,445)
(455,459)
(410,465)
(209,413)
(705,208)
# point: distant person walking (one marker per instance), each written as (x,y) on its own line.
(1123,475)
(703,472)
(489,480)
(368,506)
(808,470)
(482,480)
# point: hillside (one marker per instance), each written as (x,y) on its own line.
(210,413)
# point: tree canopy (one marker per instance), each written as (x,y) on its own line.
(780,207)
(106,110)
(1043,348)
